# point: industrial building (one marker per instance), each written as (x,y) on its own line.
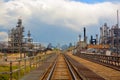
(110,36)
(16,40)
(82,44)
(17,43)
(109,39)
(15,37)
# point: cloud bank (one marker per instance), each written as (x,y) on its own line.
(56,20)
(65,13)
(3,36)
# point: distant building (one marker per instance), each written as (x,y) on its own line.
(15,37)
(110,36)
(81,44)
(104,34)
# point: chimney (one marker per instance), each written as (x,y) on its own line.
(96,38)
(84,34)
(79,37)
(117,18)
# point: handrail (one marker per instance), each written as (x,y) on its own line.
(29,62)
(109,61)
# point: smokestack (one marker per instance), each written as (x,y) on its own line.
(91,42)
(29,34)
(96,38)
(84,34)
(79,37)
(117,19)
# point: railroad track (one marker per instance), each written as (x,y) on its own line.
(61,70)
(66,68)
(82,71)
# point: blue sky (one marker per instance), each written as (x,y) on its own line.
(90,1)
(6,0)
(96,1)
(49,22)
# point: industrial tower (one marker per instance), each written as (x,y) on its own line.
(15,41)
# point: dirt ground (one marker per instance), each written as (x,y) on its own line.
(105,72)
(14,56)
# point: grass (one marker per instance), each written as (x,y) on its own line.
(15,76)
(4,76)
(5,69)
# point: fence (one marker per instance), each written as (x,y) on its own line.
(20,67)
(107,60)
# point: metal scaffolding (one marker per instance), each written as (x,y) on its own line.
(15,41)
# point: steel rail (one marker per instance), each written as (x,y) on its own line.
(69,66)
(52,70)
(70,69)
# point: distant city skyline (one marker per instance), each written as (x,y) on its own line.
(57,21)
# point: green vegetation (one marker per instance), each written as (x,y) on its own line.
(4,76)
(5,69)
(18,74)
(15,75)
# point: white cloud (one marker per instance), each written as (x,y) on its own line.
(3,36)
(66,13)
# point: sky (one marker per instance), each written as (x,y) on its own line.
(57,21)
